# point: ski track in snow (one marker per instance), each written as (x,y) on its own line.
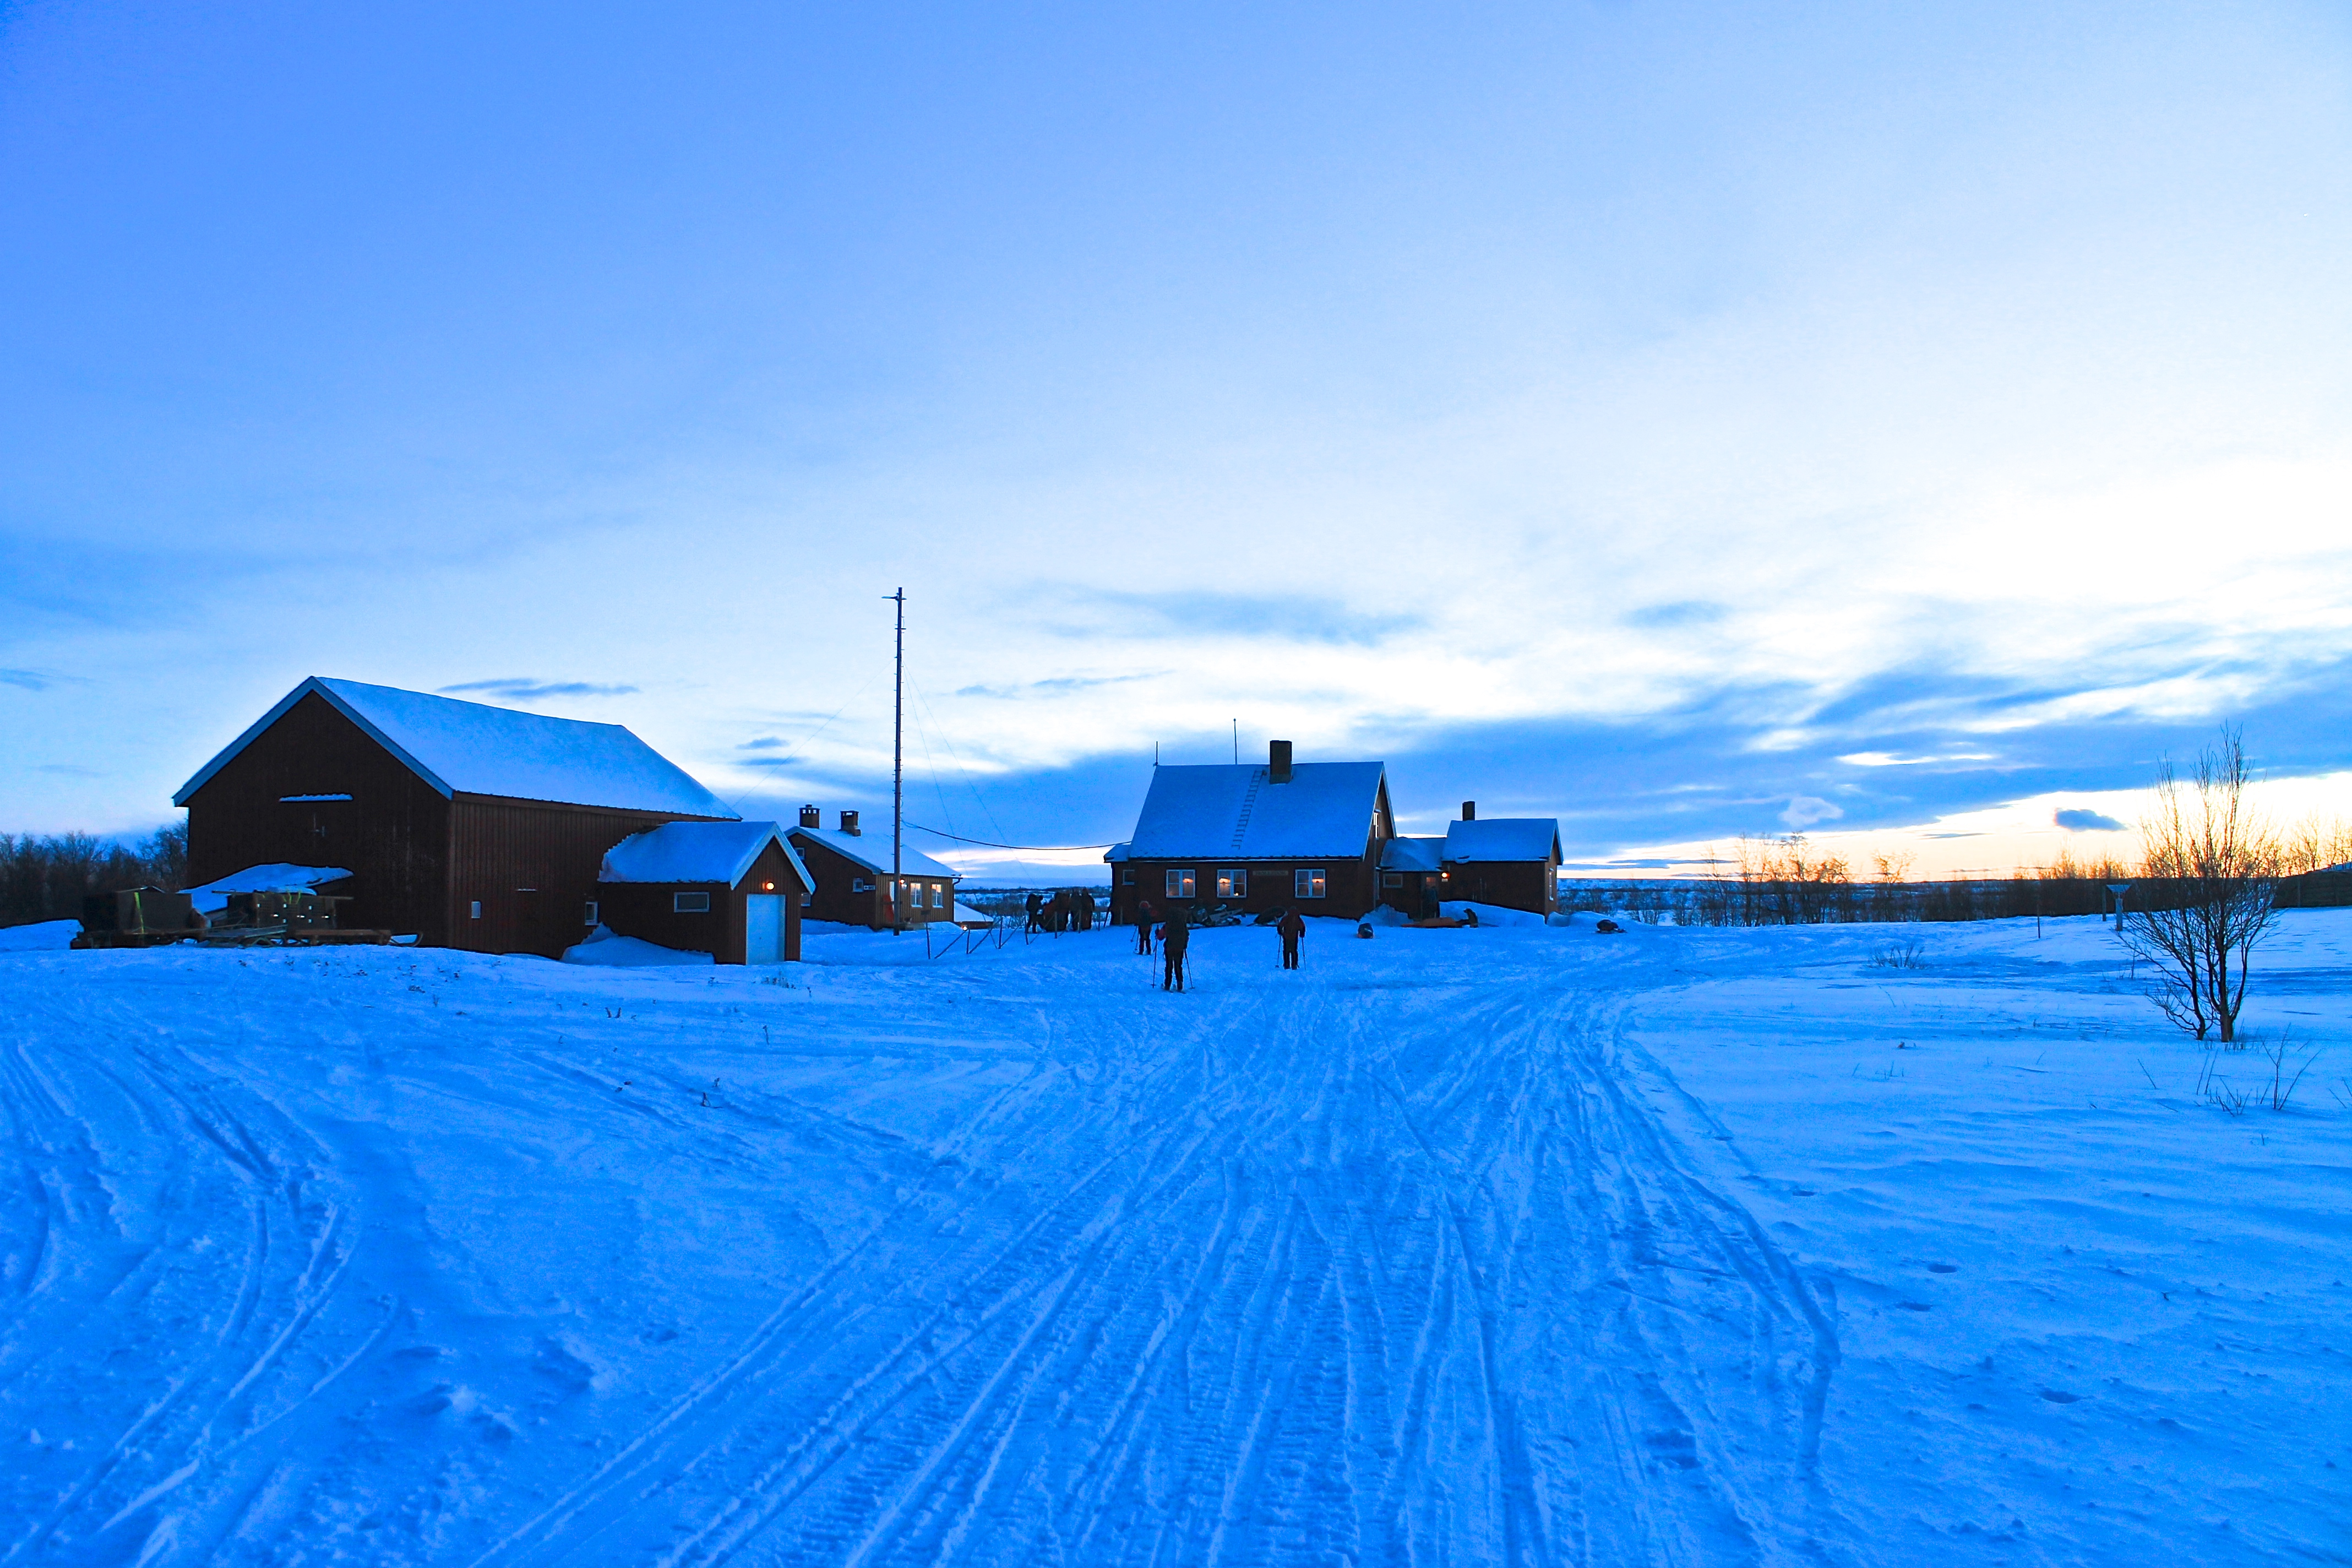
(1010,1259)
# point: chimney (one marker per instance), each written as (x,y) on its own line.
(1277,762)
(811,816)
(1469,811)
(849,823)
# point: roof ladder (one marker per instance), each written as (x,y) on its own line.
(1249,802)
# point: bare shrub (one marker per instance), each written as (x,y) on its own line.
(1900,955)
(2315,844)
(2280,1054)
(2210,866)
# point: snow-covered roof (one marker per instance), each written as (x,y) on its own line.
(1119,852)
(273,878)
(1222,811)
(872,851)
(1503,838)
(719,852)
(480,749)
(277,877)
(1412,854)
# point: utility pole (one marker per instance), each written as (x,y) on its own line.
(898,773)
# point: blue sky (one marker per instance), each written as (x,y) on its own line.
(1682,420)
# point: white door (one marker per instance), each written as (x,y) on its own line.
(763,928)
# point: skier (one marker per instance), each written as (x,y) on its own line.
(1035,903)
(1291,927)
(1144,916)
(1174,938)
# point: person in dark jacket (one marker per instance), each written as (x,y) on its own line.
(1144,915)
(1291,927)
(1175,936)
(1035,903)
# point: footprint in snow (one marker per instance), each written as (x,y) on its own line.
(1943,1268)
(2055,1397)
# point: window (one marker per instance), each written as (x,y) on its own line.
(1127,875)
(1308,881)
(478,910)
(1233,882)
(939,895)
(689,903)
(588,917)
(1391,879)
(861,884)
(1180,884)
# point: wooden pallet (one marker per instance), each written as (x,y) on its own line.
(262,936)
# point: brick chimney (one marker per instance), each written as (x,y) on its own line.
(1277,762)
(811,816)
(1469,811)
(849,824)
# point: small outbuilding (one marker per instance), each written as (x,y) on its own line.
(1412,875)
(732,890)
(852,877)
(1510,861)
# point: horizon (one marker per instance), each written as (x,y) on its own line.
(1897,430)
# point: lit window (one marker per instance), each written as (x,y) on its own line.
(690,903)
(938,896)
(1180,884)
(1233,882)
(589,915)
(1308,881)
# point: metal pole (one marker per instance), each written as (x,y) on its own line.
(899,772)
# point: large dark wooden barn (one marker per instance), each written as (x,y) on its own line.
(471,827)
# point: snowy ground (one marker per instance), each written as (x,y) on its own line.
(1457,1247)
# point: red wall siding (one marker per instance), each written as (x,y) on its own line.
(393,835)
(532,867)
(1351,887)
(833,901)
(1530,885)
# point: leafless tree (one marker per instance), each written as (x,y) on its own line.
(2209,872)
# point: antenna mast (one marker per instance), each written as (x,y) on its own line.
(899,772)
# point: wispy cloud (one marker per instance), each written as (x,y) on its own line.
(1681,612)
(26,679)
(1273,618)
(521,690)
(2082,820)
(1056,687)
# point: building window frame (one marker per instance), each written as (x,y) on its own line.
(1233,881)
(1391,879)
(589,914)
(1180,883)
(478,910)
(683,903)
(1311,882)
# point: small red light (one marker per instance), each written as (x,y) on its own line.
(767,887)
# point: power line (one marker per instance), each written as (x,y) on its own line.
(990,844)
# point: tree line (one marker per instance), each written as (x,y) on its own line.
(45,876)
